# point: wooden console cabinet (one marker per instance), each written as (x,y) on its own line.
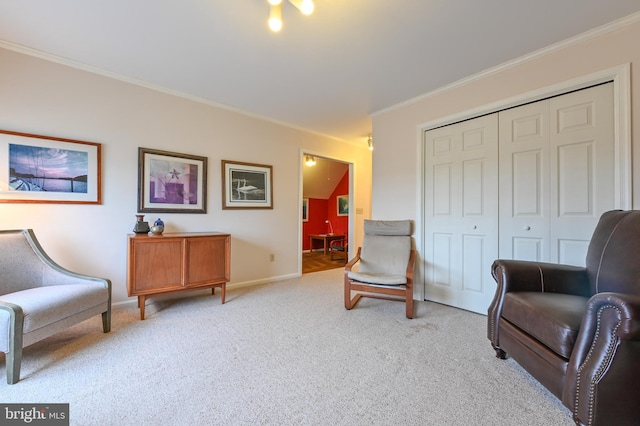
(174,263)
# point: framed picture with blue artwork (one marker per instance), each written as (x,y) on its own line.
(169,182)
(47,169)
(343,205)
(305,210)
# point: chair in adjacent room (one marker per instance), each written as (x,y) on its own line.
(577,329)
(339,249)
(385,265)
(39,298)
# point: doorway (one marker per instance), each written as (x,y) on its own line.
(325,213)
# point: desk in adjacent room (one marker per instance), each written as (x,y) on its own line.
(326,240)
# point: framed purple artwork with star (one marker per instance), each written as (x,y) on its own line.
(169,182)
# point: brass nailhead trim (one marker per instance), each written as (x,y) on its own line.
(601,368)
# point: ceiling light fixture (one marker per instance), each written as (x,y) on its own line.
(309,160)
(275,16)
(370,143)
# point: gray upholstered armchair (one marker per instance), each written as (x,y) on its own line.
(385,265)
(39,298)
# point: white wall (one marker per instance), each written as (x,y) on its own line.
(396,131)
(397,135)
(53,99)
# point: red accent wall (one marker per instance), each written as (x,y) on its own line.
(321,210)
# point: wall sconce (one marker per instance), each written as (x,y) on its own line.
(309,160)
(370,143)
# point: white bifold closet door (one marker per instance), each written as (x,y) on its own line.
(556,175)
(461,210)
(526,183)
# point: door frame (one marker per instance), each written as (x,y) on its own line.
(351,218)
(621,78)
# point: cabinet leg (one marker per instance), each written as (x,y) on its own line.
(141,303)
(224,291)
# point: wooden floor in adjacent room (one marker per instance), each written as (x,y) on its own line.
(318,261)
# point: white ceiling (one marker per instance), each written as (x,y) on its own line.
(326,73)
(320,181)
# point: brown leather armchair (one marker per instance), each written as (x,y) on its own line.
(577,330)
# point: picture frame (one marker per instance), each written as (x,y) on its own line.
(342,203)
(246,185)
(46,169)
(171,182)
(305,210)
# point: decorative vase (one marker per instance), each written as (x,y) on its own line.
(157,230)
(141,227)
(158,227)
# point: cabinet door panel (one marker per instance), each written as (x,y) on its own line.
(205,260)
(157,265)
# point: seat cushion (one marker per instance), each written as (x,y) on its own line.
(378,278)
(552,318)
(46,305)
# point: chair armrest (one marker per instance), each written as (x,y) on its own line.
(14,317)
(605,356)
(520,275)
(410,266)
(352,262)
(61,276)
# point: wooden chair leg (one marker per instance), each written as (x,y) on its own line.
(409,299)
(13,358)
(13,361)
(409,303)
(347,296)
(106,321)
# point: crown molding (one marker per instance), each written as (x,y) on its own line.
(580,38)
(142,83)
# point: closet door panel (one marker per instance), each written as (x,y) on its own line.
(461,190)
(473,263)
(575,180)
(442,259)
(527,248)
(527,184)
(524,182)
(473,177)
(582,169)
(442,190)
(441,172)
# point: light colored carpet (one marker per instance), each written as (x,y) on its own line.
(285,353)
